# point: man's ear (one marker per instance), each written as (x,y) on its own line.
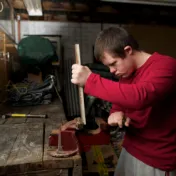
(128,50)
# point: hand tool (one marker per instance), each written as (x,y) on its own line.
(24,116)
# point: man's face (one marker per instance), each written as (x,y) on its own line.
(120,67)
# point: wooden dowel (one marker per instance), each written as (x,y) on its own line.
(81,92)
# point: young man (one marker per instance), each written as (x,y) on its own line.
(145,93)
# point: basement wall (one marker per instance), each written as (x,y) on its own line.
(153,38)
(150,37)
(82,33)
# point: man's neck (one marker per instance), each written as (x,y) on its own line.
(140,58)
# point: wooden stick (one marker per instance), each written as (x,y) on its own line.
(81,92)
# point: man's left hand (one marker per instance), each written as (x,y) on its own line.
(80,74)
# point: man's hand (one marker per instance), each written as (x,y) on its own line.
(116,118)
(80,74)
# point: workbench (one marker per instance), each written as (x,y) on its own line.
(24,143)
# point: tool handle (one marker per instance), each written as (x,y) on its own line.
(14,115)
(77,54)
(81,92)
(18,115)
(37,116)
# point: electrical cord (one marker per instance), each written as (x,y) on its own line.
(30,93)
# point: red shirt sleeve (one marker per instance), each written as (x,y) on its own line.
(156,84)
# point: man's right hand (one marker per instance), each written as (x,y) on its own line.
(116,118)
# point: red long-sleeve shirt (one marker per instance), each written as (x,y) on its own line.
(148,98)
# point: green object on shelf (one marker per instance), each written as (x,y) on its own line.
(35,50)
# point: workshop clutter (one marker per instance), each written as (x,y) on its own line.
(31,93)
(39,83)
(36,56)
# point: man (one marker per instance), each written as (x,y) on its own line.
(145,94)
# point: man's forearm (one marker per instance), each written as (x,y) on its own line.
(130,96)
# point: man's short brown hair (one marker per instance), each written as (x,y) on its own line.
(113,40)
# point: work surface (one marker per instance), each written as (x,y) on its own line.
(24,143)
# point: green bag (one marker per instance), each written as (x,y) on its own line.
(35,50)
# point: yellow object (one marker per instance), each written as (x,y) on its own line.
(103,171)
(18,115)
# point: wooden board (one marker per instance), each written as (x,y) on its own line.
(77,169)
(9,109)
(37,110)
(26,144)
(4,110)
(2,121)
(57,172)
(8,135)
(26,154)
(55,113)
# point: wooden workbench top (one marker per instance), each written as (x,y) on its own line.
(24,142)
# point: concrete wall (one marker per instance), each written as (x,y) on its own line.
(151,38)
(72,33)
